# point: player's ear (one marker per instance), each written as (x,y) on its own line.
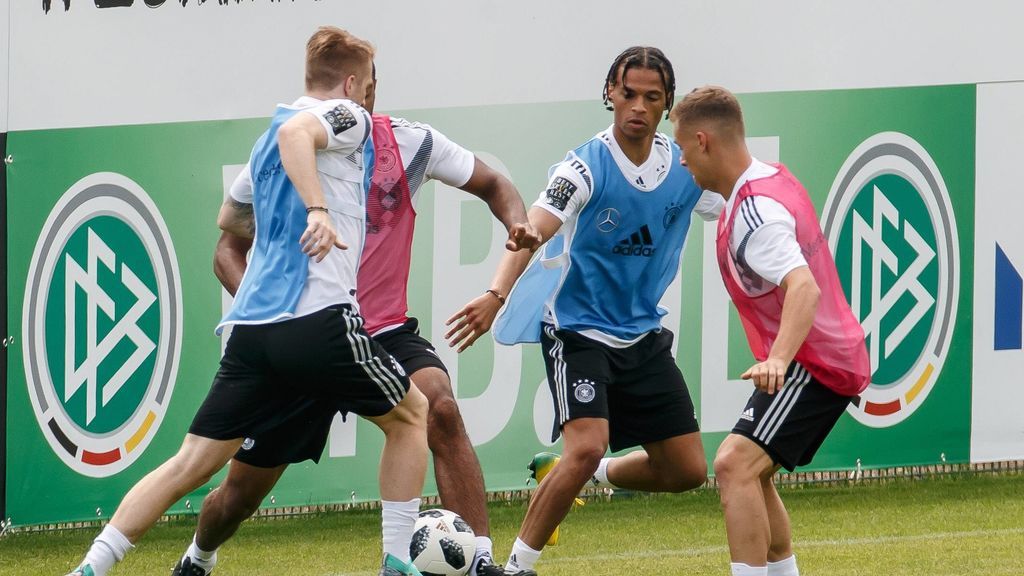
(350,86)
(702,141)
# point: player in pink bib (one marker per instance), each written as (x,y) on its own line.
(810,352)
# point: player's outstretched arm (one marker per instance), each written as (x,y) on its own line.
(798,310)
(476,317)
(229,260)
(298,140)
(505,203)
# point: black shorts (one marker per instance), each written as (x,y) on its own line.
(791,424)
(412,351)
(302,434)
(639,389)
(272,372)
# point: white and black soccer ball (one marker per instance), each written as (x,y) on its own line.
(442,544)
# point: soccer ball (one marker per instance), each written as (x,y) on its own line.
(443,544)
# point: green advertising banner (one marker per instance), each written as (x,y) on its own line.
(3,330)
(113,299)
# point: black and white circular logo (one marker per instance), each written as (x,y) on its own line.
(102,324)
(584,390)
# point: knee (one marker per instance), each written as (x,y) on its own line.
(238,502)
(584,459)
(444,420)
(730,466)
(734,465)
(435,386)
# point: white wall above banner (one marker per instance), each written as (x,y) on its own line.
(112,62)
(5,81)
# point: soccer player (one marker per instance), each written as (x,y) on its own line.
(811,357)
(296,327)
(621,205)
(406,155)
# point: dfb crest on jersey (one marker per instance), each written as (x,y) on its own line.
(672,213)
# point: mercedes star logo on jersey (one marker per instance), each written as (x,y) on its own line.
(608,220)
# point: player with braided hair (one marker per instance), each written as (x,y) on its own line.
(641,57)
(621,204)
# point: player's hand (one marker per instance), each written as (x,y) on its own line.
(522,237)
(320,236)
(472,322)
(768,376)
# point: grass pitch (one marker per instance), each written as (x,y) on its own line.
(956,525)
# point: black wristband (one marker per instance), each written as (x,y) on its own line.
(496,295)
(316,209)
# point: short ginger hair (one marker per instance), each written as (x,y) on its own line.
(333,54)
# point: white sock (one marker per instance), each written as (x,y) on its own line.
(397,522)
(107,549)
(601,476)
(200,557)
(484,547)
(740,569)
(785,567)
(522,558)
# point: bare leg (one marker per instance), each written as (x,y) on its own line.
(460,483)
(403,462)
(781,545)
(236,499)
(675,464)
(740,466)
(586,440)
(197,460)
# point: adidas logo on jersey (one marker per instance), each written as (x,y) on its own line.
(747,415)
(639,243)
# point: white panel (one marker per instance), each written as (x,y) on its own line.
(487,414)
(5,34)
(997,424)
(91,66)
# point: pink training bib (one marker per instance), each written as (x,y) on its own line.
(834,351)
(390,220)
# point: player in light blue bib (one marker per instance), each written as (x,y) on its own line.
(617,209)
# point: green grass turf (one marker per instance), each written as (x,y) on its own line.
(964,524)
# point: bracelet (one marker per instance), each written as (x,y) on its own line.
(316,209)
(496,295)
